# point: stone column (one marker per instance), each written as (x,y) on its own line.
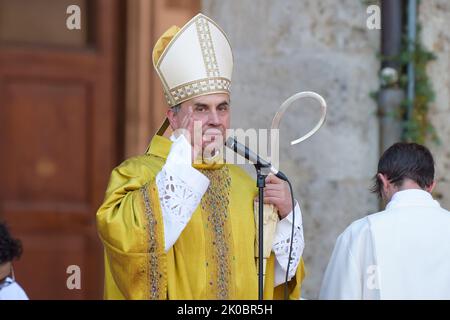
(434,16)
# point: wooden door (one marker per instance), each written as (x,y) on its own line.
(60,105)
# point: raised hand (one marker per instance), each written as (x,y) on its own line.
(277,193)
(186,128)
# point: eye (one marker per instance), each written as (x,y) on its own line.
(200,109)
(223,107)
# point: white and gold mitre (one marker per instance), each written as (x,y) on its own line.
(193,61)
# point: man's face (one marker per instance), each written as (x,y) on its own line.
(212,114)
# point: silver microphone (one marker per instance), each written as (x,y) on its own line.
(253,157)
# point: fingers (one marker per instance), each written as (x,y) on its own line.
(274,183)
(187,121)
(274,187)
(185,125)
(274,193)
(272,200)
(273,179)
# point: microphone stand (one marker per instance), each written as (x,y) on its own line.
(260,183)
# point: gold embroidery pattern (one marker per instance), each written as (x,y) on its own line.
(207,47)
(212,83)
(218,232)
(169,101)
(153,273)
(199,87)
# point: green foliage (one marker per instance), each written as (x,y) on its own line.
(418,127)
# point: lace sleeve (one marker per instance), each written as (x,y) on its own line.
(178,200)
(282,244)
(180,189)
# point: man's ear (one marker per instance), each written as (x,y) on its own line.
(431,187)
(385,182)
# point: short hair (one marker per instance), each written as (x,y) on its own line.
(10,248)
(405,161)
(176,108)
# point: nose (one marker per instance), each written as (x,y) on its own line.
(213,118)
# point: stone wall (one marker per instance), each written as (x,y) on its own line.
(285,46)
(434,16)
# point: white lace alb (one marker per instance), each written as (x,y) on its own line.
(178,200)
(282,242)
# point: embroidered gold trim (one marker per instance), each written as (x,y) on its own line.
(154,263)
(198,87)
(207,47)
(218,233)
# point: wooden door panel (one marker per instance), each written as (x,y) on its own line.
(41,22)
(62,124)
(41,270)
(59,106)
(46,123)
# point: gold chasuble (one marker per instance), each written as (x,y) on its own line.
(214,257)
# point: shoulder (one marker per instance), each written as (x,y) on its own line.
(134,172)
(357,230)
(139,164)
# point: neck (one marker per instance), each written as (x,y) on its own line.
(407,184)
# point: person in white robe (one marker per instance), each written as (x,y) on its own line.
(11,290)
(402,252)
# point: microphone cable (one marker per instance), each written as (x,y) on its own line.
(286,289)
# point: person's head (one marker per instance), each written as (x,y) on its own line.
(195,65)
(404,166)
(10,249)
(211,112)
